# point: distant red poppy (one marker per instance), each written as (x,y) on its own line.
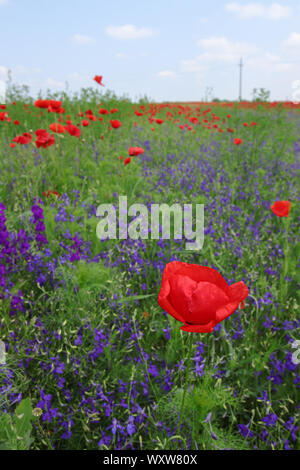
(23,139)
(44,139)
(12,145)
(55,127)
(47,194)
(103,111)
(159,121)
(98,79)
(116,124)
(85,123)
(55,107)
(135,151)
(41,104)
(16,122)
(73,130)
(237,141)
(127,160)
(281,208)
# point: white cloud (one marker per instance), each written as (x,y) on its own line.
(166,74)
(21,70)
(121,55)
(275,11)
(269,63)
(3,2)
(129,31)
(193,65)
(222,49)
(292,42)
(54,83)
(82,39)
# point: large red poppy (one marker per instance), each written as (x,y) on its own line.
(281,208)
(198,296)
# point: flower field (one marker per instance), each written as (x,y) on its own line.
(92,359)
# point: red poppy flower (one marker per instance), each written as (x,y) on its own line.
(237,141)
(281,208)
(159,121)
(3,116)
(44,139)
(103,111)
(73,130)
(135,151)
(56,127)
(126,161)
(16,122)
(42,104)
(85,123)
(12,145)
(116,124)
(198,296)
(98,79)
(23,139)
(47,194)
(55,107)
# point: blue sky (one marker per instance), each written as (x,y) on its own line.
(165,49)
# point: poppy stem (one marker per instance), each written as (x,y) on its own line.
(283,285)
(186,380)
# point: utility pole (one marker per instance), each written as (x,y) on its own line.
(240,87)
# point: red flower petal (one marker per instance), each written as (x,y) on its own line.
(281,208)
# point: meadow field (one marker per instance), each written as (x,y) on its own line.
(90,360)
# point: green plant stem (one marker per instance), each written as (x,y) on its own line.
(284,271)
(186,380)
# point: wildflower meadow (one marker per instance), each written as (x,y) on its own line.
(137,342)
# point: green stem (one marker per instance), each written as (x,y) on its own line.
(186,380)
(285,263)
